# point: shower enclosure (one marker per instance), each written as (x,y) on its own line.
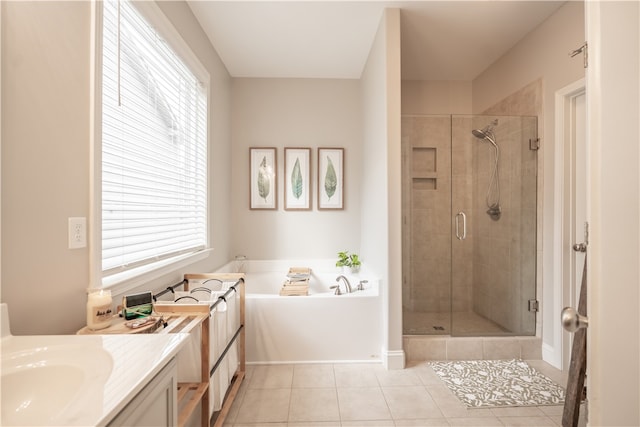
(469,229)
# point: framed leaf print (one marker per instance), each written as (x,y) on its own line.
(297,178)
(330,178)
(262,180)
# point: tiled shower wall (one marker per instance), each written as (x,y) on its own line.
(528,102)
(504,251)
(426,142)
(492,271)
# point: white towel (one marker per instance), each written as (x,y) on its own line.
(219,381)
(233,312)
(227,320)
(188,359)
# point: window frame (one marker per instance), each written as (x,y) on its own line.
(130,279)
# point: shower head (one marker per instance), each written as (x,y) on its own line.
(493,191)
(486,133)
(480,133)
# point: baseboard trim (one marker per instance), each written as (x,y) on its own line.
(552,356)
(393,359)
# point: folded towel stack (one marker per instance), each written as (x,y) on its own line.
(297,283)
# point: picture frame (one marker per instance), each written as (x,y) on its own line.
(263,185)
(297,178)
(330,178)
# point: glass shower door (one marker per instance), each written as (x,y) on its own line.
(426,199)
(493,207)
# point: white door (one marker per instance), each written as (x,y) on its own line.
(573,102)
(580,225)
(613,108)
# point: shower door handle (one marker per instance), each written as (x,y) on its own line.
(464,226)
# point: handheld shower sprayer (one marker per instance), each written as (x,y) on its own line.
(493,191)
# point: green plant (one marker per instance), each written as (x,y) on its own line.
(348,260)
(343,259)
(354,260)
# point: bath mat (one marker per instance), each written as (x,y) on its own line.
(496,383)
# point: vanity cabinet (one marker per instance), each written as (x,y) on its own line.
(155,405)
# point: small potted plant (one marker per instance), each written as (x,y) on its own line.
(348,260)
(343,260)
(354,263)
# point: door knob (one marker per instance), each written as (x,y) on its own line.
(572,321)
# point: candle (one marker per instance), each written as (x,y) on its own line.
(99,311)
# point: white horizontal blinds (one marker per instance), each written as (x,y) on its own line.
(154,146)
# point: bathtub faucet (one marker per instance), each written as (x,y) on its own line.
(347,285)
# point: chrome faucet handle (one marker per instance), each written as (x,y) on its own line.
(361,284)
(337,288)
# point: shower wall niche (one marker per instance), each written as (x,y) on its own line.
(423,168)
(464,272)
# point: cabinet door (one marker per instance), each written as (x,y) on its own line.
(155,405)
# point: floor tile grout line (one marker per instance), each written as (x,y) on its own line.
(335,381)
(290,401)
(502,419)
(384,396)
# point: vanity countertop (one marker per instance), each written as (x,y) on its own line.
(78,380)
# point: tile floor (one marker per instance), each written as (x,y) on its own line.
(328,395)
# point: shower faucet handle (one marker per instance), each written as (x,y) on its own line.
(361,285)
(337,288)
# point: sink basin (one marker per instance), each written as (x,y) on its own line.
(76,380)
(41,383)
(25,404)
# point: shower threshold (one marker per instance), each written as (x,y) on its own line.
(464,324)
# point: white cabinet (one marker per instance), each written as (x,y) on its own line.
(155,405)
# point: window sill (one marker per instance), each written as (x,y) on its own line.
(123,282)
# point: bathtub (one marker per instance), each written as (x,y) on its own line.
(321,327)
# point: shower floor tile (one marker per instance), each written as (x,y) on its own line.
(464,323)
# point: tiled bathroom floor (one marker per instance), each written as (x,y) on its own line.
(329,395)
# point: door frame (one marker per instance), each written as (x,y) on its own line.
(555,354)
(613,108)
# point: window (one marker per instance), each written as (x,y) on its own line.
(154,146)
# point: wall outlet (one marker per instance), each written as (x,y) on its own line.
(77,232)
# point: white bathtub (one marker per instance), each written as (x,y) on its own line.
(321,327)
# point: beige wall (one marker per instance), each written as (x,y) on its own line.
(436,97)
(381,178)
(45,162)
(296,113)
(542,54)
(45,158)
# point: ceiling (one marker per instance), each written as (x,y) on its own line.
(441,40)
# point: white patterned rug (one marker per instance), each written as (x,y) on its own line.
(495,383)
